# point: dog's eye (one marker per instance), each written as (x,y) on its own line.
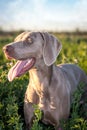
(27,42)
(30,41)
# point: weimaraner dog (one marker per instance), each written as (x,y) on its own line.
(50,87)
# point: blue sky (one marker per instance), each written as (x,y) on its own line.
(53,15)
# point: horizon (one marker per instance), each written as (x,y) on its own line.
(50,15)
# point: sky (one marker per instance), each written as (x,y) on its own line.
(52,15)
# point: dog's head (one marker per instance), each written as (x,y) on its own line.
(28,47)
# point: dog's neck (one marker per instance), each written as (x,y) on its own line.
(40,76)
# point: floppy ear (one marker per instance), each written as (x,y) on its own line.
(51,49)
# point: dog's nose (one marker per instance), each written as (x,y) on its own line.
(8,48)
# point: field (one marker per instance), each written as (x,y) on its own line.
(12,93)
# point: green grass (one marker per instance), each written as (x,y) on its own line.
(12,93)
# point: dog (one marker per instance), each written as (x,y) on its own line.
(50,87)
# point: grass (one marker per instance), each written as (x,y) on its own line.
(12,94)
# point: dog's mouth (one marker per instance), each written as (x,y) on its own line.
(21,67)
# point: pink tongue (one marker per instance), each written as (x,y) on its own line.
(19,68)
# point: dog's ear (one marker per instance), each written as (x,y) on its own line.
(51,49)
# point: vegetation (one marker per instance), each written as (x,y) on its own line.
(12,93)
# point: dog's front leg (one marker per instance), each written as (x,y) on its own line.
(28,114)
